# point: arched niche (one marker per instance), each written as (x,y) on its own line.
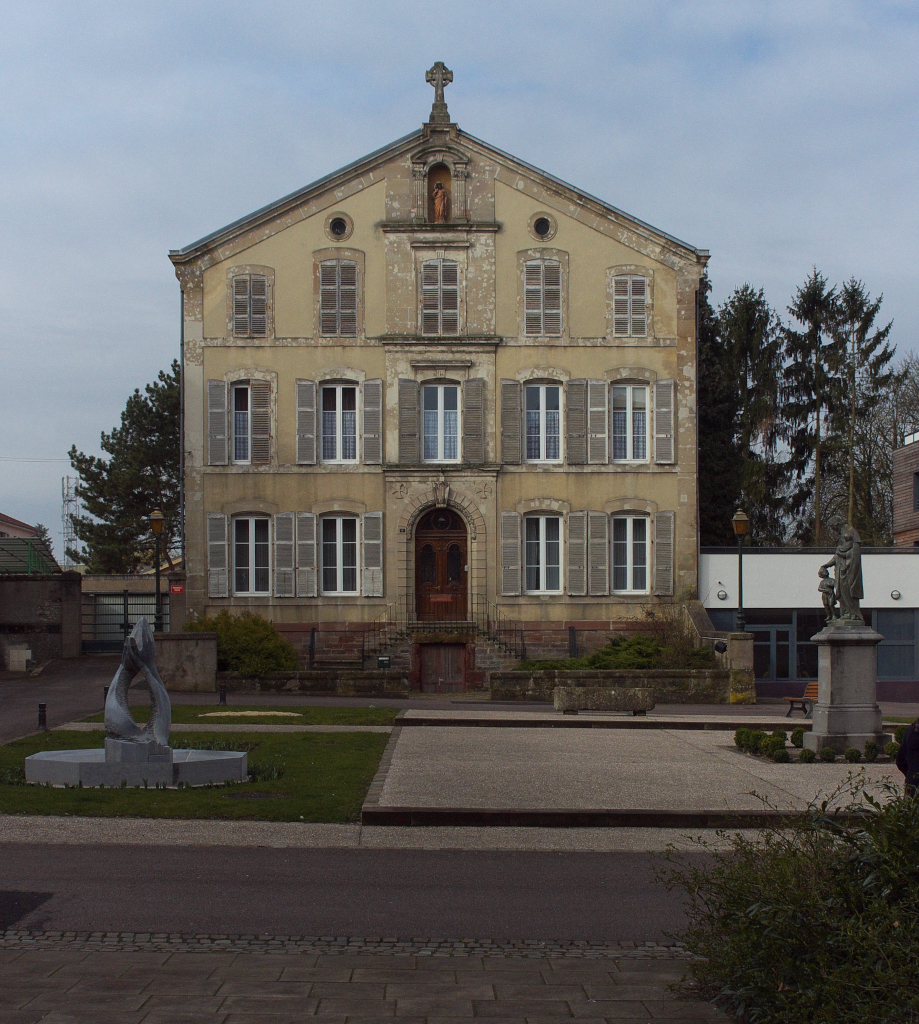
(451,165)
(440,175)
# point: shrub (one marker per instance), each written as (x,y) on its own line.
(900,732)
(891,748)
(248,644)
(827,754)
(813,921)
(781,755)
(771,745)
(871,750)
(807,757)
(797,737)
(780,734)
(757,737)
(742,738)
(852,755)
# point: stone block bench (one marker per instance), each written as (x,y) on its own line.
(572,699)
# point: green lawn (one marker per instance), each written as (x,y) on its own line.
(325,777)
(213,714)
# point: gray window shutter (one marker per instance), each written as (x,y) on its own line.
(474,420)
(373,422)
(511,419)
(241,306)
(306,422)
(307,577)
(664,448)
(218,449)
(260,403)
(577,554)
(372,575)
(576,411)
(598,437)
(663,554)
(258,306)
(218,555)
(510,553)
(284,554)
(347,299)
(639,311)
(598,553)
(409,400)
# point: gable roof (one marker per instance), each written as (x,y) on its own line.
(406,143)
(10,521)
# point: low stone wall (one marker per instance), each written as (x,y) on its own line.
(670,686)
(323,682)
(187,661)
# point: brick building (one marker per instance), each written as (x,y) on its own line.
(906,493)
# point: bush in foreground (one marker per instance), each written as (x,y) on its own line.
(807,756)
(871,750)
(797,737)
(815,922)
(827,754)
(248,644)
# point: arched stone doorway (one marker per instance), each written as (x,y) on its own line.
(441,567)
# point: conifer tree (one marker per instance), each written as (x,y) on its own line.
(142,474)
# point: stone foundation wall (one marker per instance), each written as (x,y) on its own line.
(187,662)
(323,682)
(41,613)
(670,686)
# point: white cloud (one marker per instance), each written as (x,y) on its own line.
(779,135)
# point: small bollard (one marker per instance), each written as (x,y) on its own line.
(43,717)
(223,693)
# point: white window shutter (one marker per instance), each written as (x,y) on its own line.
(598,553)
(542,297)
(577,554)
(218,555)
(576,418)
(474,420)
(440,297)
(241,306)
(258,306)
(664,447)
(372,575)
(552,298)
(306,422)
(449,297)
(218,422)
(621,307)
(597,412)
(260,404)
(430,297)
(307,576)
(510,553)
(409,401)
(511,422)
(284,554)
(639,310)
(663,554)
(532,297)
(347,298)
(372,420)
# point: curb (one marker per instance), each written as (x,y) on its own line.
(573,722)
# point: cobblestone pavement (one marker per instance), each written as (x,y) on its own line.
(57,979)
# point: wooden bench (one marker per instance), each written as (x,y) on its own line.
(805,703)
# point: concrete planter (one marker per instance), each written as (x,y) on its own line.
(327,682)
(670,686)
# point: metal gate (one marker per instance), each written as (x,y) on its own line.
(109,618)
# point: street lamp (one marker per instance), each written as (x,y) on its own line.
(156,524)
(741,525)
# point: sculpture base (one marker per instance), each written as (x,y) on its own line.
(846,713)
(92,768)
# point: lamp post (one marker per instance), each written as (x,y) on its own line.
(156,524)
(741,525)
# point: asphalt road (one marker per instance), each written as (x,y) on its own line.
(336,892)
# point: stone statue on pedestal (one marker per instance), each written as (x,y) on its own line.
(847,561)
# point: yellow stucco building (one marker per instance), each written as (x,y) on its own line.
(440,385)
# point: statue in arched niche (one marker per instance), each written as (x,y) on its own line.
(439,195)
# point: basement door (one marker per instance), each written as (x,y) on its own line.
(442,668)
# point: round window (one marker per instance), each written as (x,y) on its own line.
(339,226)
(542,226)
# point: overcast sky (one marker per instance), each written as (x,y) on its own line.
(778,135)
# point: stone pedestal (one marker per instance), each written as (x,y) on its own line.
(846,713)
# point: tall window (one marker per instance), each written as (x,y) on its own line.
(339,423)
(251,565)
(542,297)
(250,306)
(630,306)
(630,554)
(630,423)
(440,297)
(338,298)
(242,424)
(542,542)
(542,422)
(339,555)
(440,405)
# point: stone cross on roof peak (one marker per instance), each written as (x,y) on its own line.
(439,76)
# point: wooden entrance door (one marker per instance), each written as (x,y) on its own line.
(442,668)
(440,567)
